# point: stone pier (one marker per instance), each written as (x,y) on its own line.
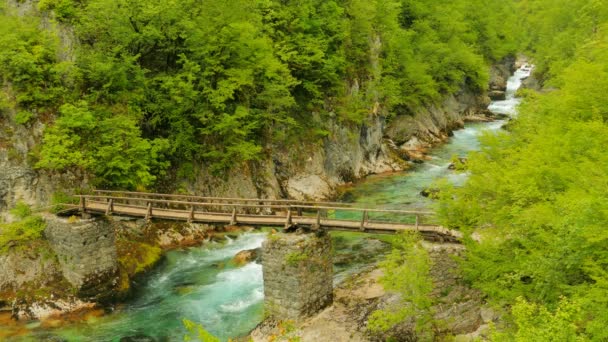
(86,250)
(298,274)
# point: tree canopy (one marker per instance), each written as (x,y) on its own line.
(167,84)
(536,197)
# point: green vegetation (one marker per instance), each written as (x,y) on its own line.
(406,272)
(537,194)
(294,258)
(196,332)
(536,323)
(27,228)
(154,88)
(136,257)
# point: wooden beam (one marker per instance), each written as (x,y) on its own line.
(149,211)
(288,222)
(317,224)
(191,215)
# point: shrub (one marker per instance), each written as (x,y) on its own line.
(19,233)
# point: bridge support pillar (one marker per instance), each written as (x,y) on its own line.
(86,251)
(298,274)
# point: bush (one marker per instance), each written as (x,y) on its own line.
(23,117)
(21,210)
(21,232)
(406,271)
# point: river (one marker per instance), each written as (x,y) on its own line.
(201,285)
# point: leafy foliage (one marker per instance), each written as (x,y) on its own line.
(28,227)
(153,86)
(535,323)
(406,271)
(536,196)
(196,332)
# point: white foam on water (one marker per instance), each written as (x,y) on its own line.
(509,106)
(256,296)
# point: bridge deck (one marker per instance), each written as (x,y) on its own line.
(285,214)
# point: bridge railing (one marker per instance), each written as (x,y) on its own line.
(258,207)
(234,200)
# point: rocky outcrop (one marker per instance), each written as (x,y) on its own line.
(22,267)
(32,284)
(499,74)
(19,180)
(246,256)
(411,136)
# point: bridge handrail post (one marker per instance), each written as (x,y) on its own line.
(288,221)
(110,207)
(82,205)
(363,221)
(417,221)
(233,220)
(318,222)
(149,211)
(191,214)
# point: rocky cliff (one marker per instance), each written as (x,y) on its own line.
(308,170)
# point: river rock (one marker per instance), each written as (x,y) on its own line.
(497,95)
(531,82)
(488,315)
(430,193)
(498,83)
(246,256)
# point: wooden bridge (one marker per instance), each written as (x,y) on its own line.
(263,213)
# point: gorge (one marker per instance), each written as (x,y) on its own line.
(377,103)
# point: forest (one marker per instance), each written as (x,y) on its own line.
(153,87)
(539,190)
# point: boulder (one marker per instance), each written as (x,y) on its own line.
(498,83)
(497,95)
(246,256)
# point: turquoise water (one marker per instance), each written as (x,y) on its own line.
(201,285)
(198,284)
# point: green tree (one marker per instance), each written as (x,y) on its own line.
(406,272)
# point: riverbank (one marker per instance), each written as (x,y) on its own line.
(459,312)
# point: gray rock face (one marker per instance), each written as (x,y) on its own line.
(500,72)
(298,274)
(21,267)
(497,95)
(87,253)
